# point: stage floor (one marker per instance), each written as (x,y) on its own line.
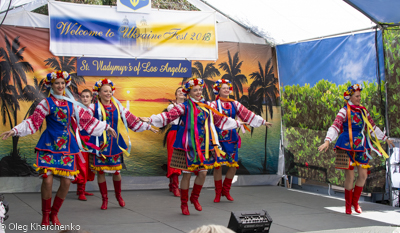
(159,211)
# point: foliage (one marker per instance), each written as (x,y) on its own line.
(324,100)
(391,39)
(159,4)
(308,112)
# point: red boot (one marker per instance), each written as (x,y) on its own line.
(348,194)
(225,189)
(218,190)
(356,196)
(184,201)
(194,197)
(86,193)
(175,185)
(54,210)
(117,188)
(103,191)
(46,208)
(81,192)
(171,184)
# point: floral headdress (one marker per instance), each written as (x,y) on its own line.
(51,77)
(102,82)
(191,83)
(218,84)
(350,91)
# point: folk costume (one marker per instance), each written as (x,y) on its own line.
(172,173)
(230,139)
(83,165)
(57,148)
(350,123)
(109,154)
(197,140)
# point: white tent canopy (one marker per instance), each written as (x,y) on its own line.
(293,20)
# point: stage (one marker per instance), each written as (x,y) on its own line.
(159,211)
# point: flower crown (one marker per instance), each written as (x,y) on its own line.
(97,86)
(191,83)
(218,84)
(51,77)
(350,91)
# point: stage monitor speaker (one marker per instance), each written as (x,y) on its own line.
(250,221)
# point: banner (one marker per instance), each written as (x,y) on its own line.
(142,6)
(314,75)
(100,31)
(133,68)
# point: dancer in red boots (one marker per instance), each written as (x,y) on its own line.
(57,149)
(85,173)
(173,173)
(108,158)
(229,139)
(352,119)
(195,142)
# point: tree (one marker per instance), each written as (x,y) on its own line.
(265,91)
(34,93)
(13,74)
(233,74)
(251,102)
(67,64)
(207,74)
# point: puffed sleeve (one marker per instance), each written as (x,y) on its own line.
(89,123)
(165,118)
(248,116)
(32,123)
(334,130)
(133,122)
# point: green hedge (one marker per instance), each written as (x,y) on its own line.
(391,43)
(308,112)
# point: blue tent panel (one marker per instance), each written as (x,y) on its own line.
(379,11)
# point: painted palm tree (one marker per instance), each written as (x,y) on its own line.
(251,102)
(207,74)
(13,76)
(233,73)
(265,90)
(35,93)
(67,64)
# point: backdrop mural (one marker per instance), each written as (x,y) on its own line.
(314,76)
(25,59)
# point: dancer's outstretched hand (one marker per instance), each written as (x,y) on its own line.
(144,119)
(7,134)
(153,130)
(268,124)
(112,132)
(390,143)
(324,146)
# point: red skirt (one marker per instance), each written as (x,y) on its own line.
(85,174)
(170,147)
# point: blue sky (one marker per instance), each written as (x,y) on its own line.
(338,60)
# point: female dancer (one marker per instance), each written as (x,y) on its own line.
(196,139)
(353,119)
(57,148)
(85,174)
(229,139)
(110,156)
(173,173)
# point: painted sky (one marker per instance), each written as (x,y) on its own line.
(338,60)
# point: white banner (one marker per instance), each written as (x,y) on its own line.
(100,31)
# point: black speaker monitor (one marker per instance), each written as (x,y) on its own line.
(250,221)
